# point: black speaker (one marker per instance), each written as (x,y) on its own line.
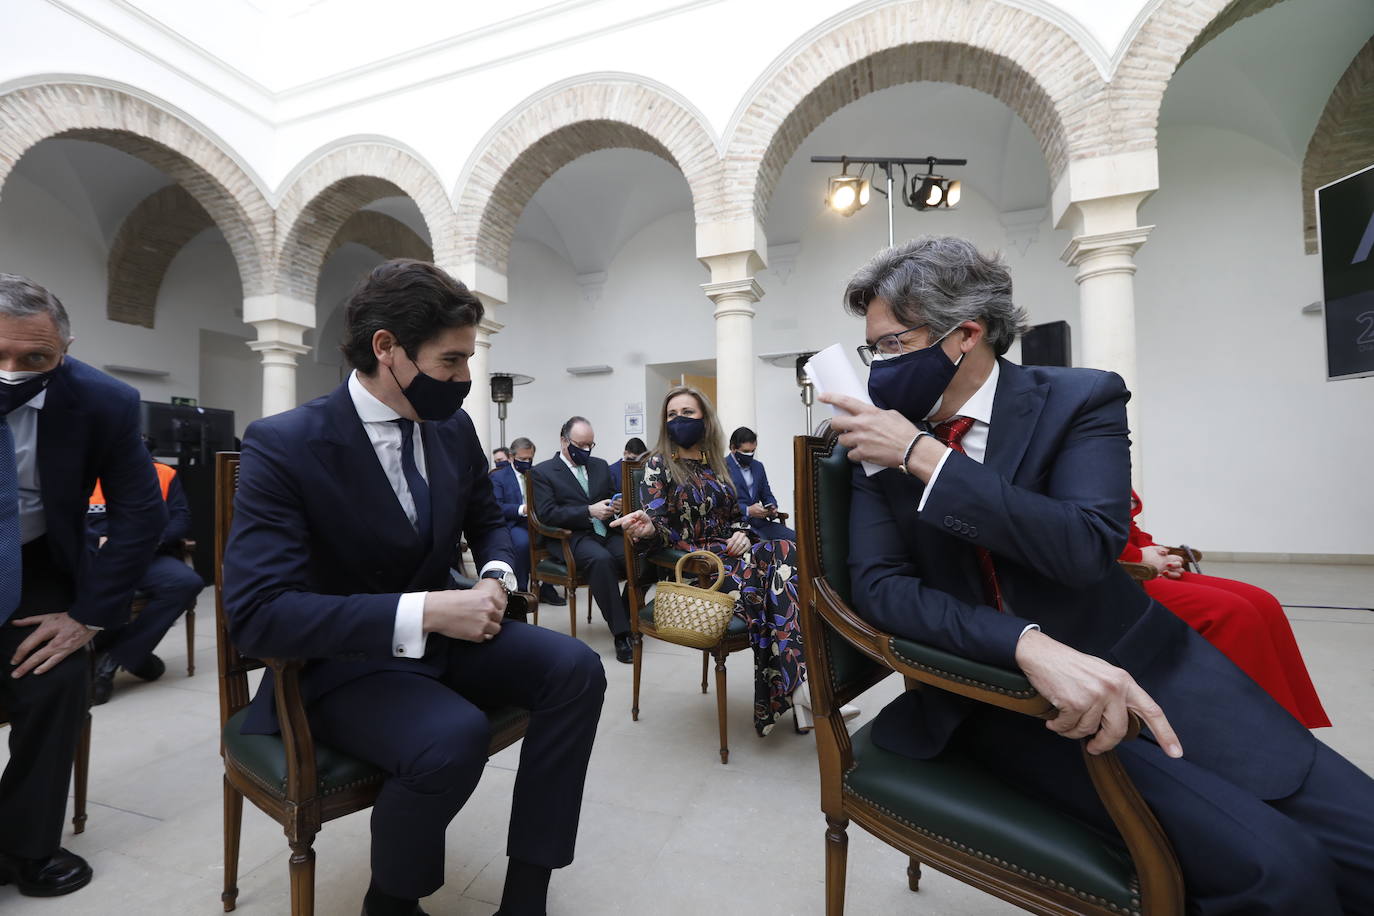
(1048,344)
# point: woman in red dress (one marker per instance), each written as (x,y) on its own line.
(1243,621)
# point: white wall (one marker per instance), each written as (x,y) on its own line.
(1246,446)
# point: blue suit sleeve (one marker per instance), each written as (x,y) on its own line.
(766,496)
(509,502)
(1073,530)
(271,608)
(134,518)
(178,513)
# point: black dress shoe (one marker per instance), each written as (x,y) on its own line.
(61,873)
(623,652)
(150,669)
(549,595)
(102,686)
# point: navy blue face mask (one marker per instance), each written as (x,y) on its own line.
(744,458)
(431,398)
(686,431)
(18,388)
(914,383)
(579,456)
(522,466)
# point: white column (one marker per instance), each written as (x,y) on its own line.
(278,373)
(478,403)
(281,323)
(1106,296)
(734,316)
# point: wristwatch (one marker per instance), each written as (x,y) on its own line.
(500,576)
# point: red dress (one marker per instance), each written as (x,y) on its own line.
(1245,622)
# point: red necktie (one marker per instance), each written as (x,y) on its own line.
(951,433)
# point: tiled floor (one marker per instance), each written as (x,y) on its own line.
(666,829)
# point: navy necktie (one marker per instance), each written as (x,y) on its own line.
(11,539)
(419,490)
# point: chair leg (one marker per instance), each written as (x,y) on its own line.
(913,874)
(720,705)
(705,660)
(303,877)
(570,593)
(836,857)
(233,821)
(637,649)
(191,641)
(81,774)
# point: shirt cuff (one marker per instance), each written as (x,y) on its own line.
(930,484)
(522,512)
(1028,628)
(507,574)
(408,637)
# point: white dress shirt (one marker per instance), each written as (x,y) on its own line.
(379,422)
(23,421)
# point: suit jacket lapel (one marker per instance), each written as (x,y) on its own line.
(62,429)
(443,488)
(1015,409)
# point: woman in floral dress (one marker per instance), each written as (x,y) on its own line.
(689,504)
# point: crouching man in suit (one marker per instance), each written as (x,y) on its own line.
(994,532)
(349,509)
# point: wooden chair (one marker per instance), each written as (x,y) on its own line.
(559,568)
(188,555)
(947,811)
(1144,572)
(642,612)
(296,782)
(81,768)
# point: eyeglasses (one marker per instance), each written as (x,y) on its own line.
(887,345)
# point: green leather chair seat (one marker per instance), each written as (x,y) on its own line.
(549,567)
(265,755)
(955,800)
(736,627)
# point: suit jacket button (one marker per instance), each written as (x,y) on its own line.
(973,531)
(949,521)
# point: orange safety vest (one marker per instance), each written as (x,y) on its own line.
(165,473)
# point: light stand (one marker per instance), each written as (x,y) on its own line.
(503,392)
(796,360)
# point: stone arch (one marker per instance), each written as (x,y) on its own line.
(149,130)
(571,119)
(386,235)
(148,240)
(1028,63)
(334,187)
(1344,139)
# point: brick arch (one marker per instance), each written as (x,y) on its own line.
(386,235)
(572,119)
(1028,63)
(335,186)
(148,240)
(150,131)
(1344,139)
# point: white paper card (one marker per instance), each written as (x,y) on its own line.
(831,373)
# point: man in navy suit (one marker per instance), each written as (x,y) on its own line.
(348,511)
(993,533)
(508,484)
(62,426)
(574,490)
(756,500)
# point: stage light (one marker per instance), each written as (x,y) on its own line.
(953,193)
(847,194)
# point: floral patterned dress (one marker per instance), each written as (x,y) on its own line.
(702,515)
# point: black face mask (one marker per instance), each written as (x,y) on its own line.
(744,458)
(17,393)
(914,383)
(522,466)
(578,456)
(686,431)
(431,398)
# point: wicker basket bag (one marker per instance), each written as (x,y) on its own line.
(692,616)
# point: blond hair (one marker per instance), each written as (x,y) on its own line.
(712,443)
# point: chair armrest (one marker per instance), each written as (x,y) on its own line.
(1186,552)
(1140,572)
(518,605)
(549,531)
(782,516)
(302,780)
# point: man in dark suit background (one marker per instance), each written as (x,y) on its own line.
(62,426)
(348,511)
(573,490)
(993,533)
(508,485)
(756,500)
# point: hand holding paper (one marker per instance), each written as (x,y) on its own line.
(831,373)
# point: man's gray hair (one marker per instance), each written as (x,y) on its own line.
(521,443)
(942,281)
(20,297)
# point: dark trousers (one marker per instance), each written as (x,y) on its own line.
(46,712)
(170,586)
(1309,853)
(431,736)
(602,561)
(520,541)
(770,530)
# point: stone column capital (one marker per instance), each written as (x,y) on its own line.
(734,297)
(1105,252)
(487,327)
(278,352)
